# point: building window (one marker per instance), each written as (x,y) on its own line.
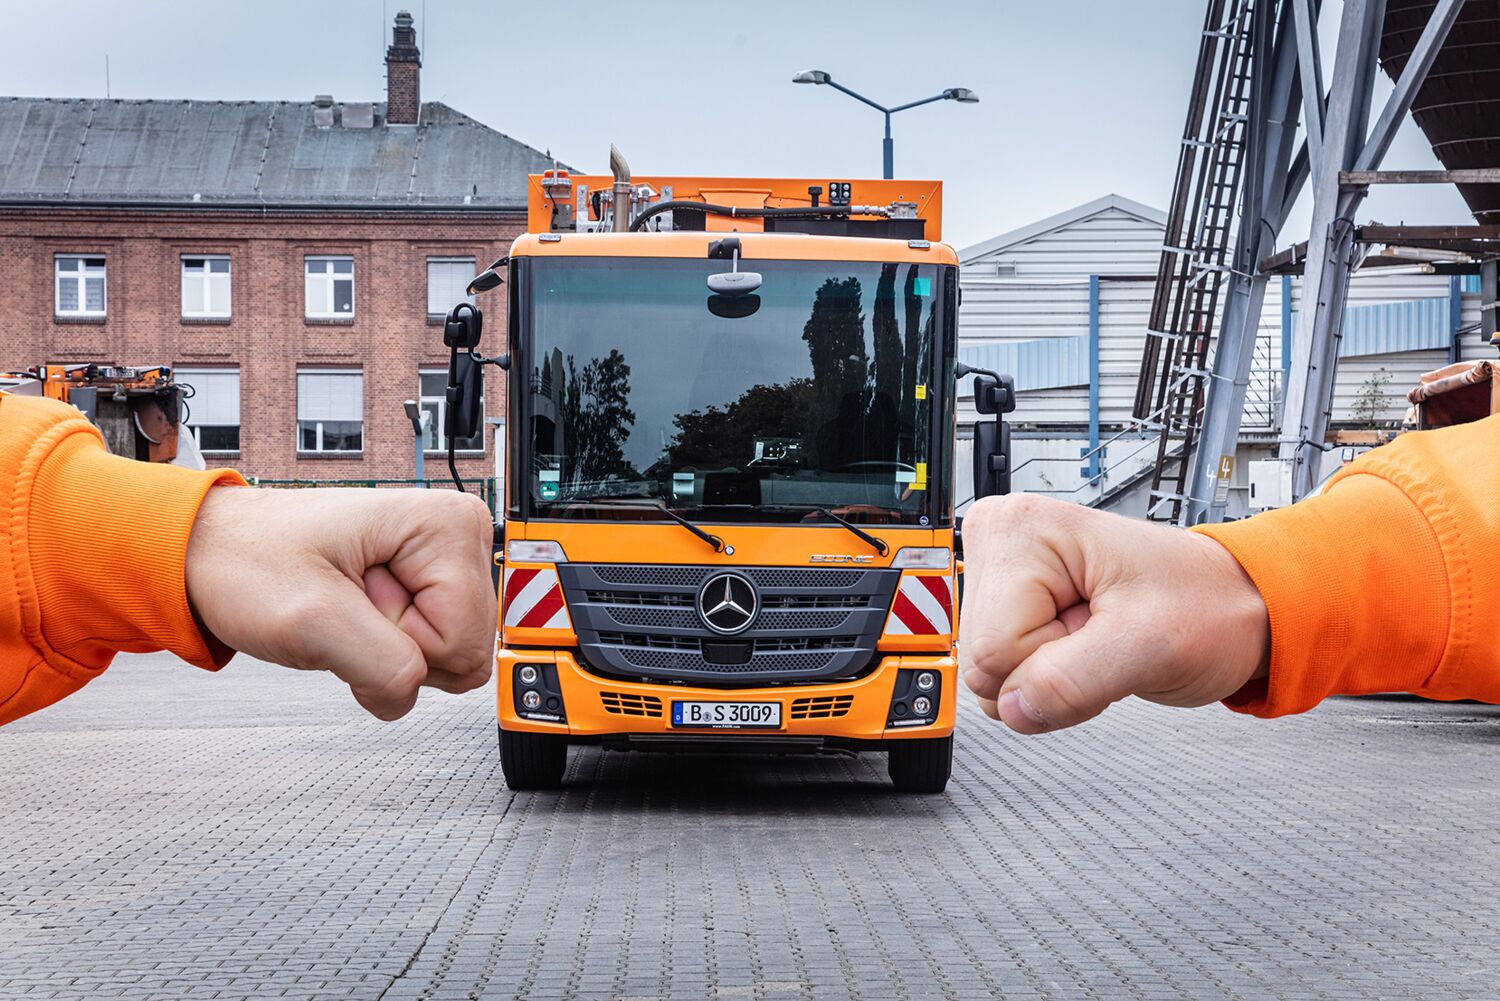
(330,410)
(80,285)
(330,287)
(447,284)
(213,409)
(205,285)
(433,399)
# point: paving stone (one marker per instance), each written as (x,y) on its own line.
(172,834)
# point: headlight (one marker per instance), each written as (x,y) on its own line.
(921,558)
(528,674)
(921,705)
(925,681)
(523,551)
(531,699)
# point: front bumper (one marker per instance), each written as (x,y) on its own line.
(599,707)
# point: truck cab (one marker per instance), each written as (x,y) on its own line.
(729,514)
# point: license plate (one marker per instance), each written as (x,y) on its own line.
(727,715)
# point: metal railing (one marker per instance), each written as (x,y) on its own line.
(486,485)
(1263,393)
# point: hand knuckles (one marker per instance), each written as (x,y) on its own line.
(987,654)
(1055,693)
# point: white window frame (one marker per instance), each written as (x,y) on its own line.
(327,279)
(79,277)
(439,404)
(208,277)
(193,424)
(470,262)
(320,450)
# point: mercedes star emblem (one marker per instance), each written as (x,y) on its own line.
(728,603)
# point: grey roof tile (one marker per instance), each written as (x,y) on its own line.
(91,151)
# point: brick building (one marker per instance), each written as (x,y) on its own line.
(290,260)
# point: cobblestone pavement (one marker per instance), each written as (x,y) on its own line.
(174,834)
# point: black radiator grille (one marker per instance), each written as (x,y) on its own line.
(644,622)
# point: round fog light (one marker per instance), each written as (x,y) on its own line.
(926,680)
(528,674)
(921,705)
(531,700)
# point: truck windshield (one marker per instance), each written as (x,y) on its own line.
(823,397)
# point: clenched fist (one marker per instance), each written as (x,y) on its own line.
(1068,609)
(388,589)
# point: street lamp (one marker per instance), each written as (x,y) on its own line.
(419,419)
(962,95)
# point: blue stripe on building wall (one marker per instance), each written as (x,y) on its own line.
(1392,327)
(1051,363)
(1288,324)
(1092,469)
(1455,317)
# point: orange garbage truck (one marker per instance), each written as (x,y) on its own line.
(729,521)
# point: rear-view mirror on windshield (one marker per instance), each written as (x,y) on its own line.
(733,307)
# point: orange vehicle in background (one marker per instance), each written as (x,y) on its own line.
(729,516)
(138,411)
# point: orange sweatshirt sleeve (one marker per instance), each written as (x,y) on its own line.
(92,548)
(1385,582)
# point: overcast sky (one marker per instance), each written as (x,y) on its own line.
(1079,98)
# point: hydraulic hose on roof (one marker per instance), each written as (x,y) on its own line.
(805,212)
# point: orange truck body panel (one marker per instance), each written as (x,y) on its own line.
(747,192)
(597,705)
(754,545)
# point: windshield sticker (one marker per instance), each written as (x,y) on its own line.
(548,485)
(921,391)
(921,287)
(682,484)
(920,483)
(906,476)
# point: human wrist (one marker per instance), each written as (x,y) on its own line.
(1239,629)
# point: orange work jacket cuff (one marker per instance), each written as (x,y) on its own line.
(108,543)
(1353,581)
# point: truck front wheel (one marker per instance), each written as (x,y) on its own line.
(533,760)
(921,765)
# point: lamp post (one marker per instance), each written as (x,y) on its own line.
(962,95)
(419,419)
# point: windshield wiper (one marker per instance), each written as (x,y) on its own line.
(879,544)
(708,537)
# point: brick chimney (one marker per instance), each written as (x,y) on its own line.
(403,74)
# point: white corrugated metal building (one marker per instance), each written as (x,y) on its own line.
(1062,305)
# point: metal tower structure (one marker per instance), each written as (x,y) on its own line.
(1194,260)
(1338,157)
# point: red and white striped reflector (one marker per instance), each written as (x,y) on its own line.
(534,599)
(923,607)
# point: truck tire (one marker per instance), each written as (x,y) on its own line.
(533,760)
(921,765)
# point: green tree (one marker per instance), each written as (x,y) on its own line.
(715,438)
(596,419)
(1371,404)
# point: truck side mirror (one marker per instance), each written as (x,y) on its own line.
(464,396)
(994,396)
(991,459)
(463,327)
